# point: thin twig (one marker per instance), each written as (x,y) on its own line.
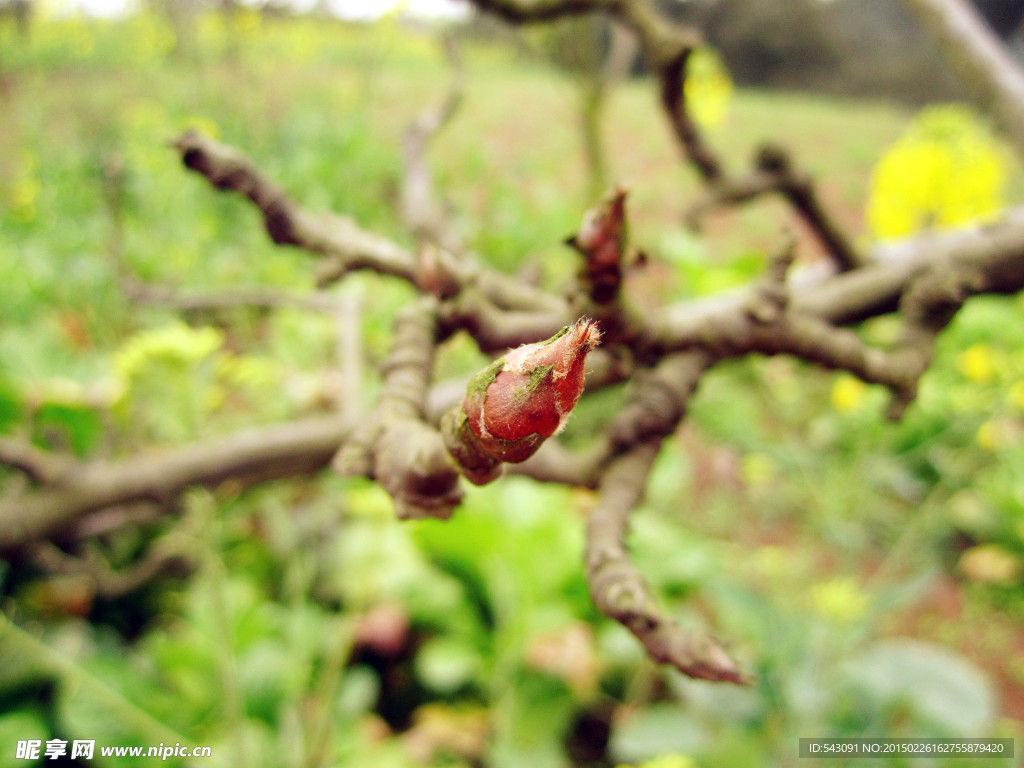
(995,79)
(106,581)
(421,209)
(339,239)
(619,590)
(775,174)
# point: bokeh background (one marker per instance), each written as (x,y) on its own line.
(870,573)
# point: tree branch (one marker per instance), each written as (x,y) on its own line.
(659,402)
(346,246)
(672,75)
(665,43)
(927,287)
(775,174)
(395,445)
(250,457)
(207,300)
(995,79)
(421,210)
(496,329)
(992,257)
(668,47)
(995,253)
(554,463)
(669,350)
(38,465)
(619,590)
(541,10)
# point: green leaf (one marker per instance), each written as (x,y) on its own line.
(660,729)
(945,691)
(11,407)
(446,664)
(358,692)
(15,727)
(266,673)
(533,713)
(59,426)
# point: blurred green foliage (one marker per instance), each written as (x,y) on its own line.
(318,630)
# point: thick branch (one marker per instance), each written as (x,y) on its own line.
(39,465)
(772,321)
(619,590)
(496,329)
(659,402)
(207,300)
(408,370)
(346,246)
(395,445)
(995,254)
(250,457)
(554,463)
(994,79)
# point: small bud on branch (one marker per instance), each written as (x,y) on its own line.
(603,242)
(602,235)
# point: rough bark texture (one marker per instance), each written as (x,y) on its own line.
(248,458)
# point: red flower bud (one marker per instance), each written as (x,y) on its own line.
(518,401)
(602,235)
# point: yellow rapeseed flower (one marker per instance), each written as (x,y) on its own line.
(946,171)
(667,761)
(202,124)
(840,600)
(991,564)
(177,342)
(757,469)
(977,363)
(247,21)
(22,198)
(708,86)
(848,394)
(1015,397)
(989,436)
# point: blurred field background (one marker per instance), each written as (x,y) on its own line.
(870,573)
